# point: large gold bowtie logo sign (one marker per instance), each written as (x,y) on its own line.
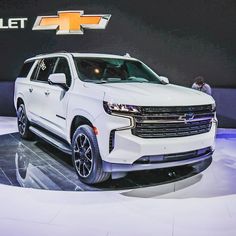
(71,22)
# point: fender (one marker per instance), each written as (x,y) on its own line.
(17,96)
(72,115)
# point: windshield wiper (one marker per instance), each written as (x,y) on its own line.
(101,82)
(95,81)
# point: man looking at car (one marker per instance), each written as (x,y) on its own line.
(200,85)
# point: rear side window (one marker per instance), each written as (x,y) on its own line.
(34,74)
(63,67)
(26,69)
(45,68)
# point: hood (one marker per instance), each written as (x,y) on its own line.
(147,94)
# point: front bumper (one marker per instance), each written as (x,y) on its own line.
(160,162)
(128,148)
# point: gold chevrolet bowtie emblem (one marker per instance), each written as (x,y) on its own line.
(71,22)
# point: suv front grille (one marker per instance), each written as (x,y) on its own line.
(167,122)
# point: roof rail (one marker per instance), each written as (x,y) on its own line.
(62,51)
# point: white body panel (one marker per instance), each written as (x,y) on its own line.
(54,109)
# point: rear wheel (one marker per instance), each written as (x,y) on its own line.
(86,156)
(23,123)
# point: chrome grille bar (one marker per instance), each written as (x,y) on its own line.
(157,124)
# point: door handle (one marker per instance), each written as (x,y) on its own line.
(31,90)
(47,92)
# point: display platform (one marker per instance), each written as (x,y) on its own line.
(201,205)
(36,164)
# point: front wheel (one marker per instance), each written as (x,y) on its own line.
(23,123)
(86,156)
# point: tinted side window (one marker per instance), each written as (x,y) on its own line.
(45,68)
(25,69)
(63,67)
(34,74)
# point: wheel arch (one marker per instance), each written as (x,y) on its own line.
(78,121)
(19,101)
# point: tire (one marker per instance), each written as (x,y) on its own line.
(23,123)
(86,157)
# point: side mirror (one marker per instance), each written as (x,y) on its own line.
(164,79)
(58,79)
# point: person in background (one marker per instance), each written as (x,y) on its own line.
(200,85)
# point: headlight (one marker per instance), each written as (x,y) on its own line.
(119,108)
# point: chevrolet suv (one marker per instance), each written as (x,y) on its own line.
(112,114)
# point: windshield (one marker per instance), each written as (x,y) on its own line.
(110,70)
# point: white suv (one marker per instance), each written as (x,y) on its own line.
(113,114)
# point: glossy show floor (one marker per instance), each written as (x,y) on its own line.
(54,202)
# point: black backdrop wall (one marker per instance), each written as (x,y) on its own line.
(179,39)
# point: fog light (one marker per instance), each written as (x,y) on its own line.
(143,160)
